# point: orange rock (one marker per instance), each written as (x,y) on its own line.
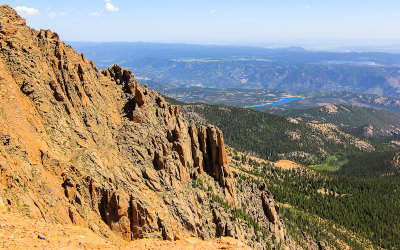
(116,154)
(140,98)
(221,148)
(2,206)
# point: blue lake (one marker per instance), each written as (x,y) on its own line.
(281,102)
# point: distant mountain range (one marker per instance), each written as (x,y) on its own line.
(288,69)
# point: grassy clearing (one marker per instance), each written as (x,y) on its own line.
(331,164)
(324,167)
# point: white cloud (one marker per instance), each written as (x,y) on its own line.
(213,10)
(110,7)
(99,13)
(26,11)
(307,7)
(52,15)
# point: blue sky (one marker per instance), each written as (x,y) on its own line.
(217,21)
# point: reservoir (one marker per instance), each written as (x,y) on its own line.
(281,102)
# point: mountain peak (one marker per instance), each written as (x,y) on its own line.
(10,21)
(6,10)
(96,149)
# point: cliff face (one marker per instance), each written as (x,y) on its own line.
(97,149)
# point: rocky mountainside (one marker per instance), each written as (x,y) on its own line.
(98,150)
(365,122)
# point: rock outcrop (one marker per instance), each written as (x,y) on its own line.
(203,148)
(96,149)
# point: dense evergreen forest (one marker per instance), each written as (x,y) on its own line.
(372,164)
(356,204)
(351,119)
(274,137)
(369,207)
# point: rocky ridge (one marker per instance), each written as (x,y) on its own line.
(96,149)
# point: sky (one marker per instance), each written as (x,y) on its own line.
(216,21)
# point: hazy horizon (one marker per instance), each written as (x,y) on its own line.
(387,46)
(311,24)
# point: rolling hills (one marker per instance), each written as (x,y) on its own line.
(275,137)
(365,122)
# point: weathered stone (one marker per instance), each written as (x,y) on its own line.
(179,148)
(202,197)
(167,232)
(75,217)
(213,144)
(42,237)
(2,206)
(158,160)
(140,98)
(269,207)
(214,152)
(141,220)
(203,145)
(138,116)
(196,151)
(116,209)
(221,149)
(69,187)
(121,77)
(185,214)
(150,174)
(224,226)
